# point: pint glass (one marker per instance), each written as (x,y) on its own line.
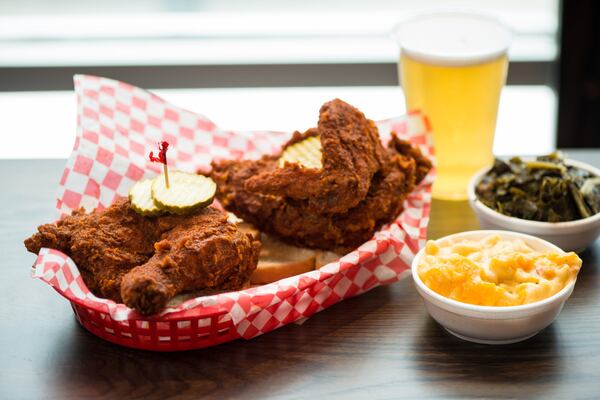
(453,67)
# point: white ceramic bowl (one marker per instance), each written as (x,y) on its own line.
(569,236)
(489,324)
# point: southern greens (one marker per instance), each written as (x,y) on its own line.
(545,189)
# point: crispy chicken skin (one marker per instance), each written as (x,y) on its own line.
(157,257)
(352,154)
(105,245)
(297,218)
(203,251)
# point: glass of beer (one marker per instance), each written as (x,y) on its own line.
(452,67)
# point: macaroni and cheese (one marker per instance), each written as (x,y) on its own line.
(495,272)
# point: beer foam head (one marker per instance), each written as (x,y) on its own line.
(453,39)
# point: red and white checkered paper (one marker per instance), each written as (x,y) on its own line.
(119,124)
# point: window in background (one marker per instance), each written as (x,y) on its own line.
(247,44)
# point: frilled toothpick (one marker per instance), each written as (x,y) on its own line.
(162,158)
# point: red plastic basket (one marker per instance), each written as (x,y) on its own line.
(176,334)
(118,124)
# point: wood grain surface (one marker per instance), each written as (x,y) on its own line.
(378,345)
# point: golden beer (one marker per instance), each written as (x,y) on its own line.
(455,76)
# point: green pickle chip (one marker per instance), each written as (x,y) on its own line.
(186,192)
(140,197)
(307,153)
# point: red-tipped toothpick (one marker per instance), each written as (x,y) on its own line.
(162,158)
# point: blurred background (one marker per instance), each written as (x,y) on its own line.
(270,64)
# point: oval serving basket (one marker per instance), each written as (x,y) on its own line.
(118,124)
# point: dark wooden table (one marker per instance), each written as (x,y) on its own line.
(382,344)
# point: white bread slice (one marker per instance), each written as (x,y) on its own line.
(279,260)
(325,257)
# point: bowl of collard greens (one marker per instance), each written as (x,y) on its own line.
(548,196)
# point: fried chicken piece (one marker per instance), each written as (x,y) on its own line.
(202,251)
(295,222)
(107,246)
(351,155)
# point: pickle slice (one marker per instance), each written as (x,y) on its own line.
(186,192)
(307,153)
(140,197)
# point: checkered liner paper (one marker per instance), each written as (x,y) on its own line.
(119,124)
